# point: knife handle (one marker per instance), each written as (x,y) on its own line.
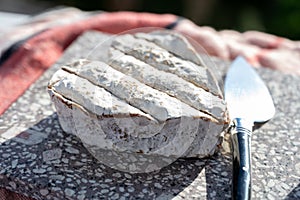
(241,150)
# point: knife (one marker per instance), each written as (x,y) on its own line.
(248,101)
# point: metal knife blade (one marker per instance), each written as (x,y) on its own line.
(248,101)
(246,94)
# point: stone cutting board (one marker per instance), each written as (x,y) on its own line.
(39,160)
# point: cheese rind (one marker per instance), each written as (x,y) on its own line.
(154,102)
(142,109)
(171,84)
(174,43)
(163,60)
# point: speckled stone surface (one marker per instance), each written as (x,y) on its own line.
(41,161)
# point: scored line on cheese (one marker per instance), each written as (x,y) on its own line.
(171,84)
(156,103)
(174,43)
(95,99)
(163,60)
(181,47)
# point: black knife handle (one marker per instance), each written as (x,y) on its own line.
(241,150)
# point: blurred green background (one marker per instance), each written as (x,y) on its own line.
(280,17)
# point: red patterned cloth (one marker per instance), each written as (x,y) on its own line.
(260,49)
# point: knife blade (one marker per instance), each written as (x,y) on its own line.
(248,101)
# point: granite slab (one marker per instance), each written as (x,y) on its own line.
(39,160)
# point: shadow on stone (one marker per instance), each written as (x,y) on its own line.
(294,194)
